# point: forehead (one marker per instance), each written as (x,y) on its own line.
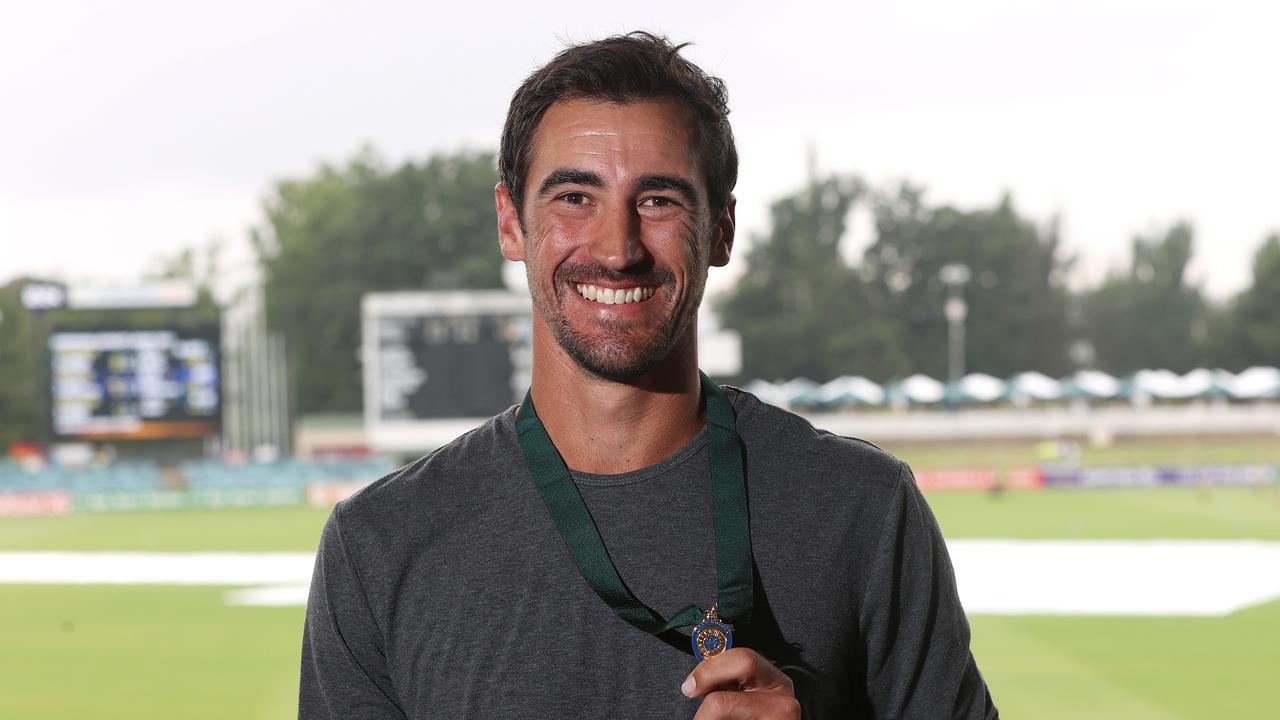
(617,140)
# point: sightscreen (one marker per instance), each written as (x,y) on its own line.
(135,384)
(468,365)
(439,363)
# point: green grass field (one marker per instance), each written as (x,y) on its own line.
(230,529)
(1203,451)
(163,652)
(144,652)
(1056,668)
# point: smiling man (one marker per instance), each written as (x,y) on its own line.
(633,540)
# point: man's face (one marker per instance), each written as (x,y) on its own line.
(617,234)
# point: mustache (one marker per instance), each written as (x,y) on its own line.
(596,274)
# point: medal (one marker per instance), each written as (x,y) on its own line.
(711,636)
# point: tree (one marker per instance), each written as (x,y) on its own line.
(800,309)
(1016,296)
(1247,331)
(200,266)
(365,227)
(1149,317)
(17,367)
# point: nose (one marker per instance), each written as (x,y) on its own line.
(616,242)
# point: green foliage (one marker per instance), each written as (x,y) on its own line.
(1150,317)
(1247,331)
(1016,296)
(201,266)
(17,367)
(366,227)
(801,310)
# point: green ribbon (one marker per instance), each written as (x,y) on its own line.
(728,503)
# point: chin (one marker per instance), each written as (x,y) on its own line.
(618,364)
(617,354)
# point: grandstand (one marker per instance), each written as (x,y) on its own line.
(1030,388)
(136,485)
(1089,406)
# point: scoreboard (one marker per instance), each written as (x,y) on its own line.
(436,364)
(442,367)
(135,384)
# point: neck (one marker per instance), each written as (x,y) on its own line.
(607,427)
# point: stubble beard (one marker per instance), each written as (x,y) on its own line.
(613,352)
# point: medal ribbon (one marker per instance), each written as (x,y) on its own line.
(728,504)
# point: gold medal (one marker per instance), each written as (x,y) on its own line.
(712,636)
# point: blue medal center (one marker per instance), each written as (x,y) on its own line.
(711,637)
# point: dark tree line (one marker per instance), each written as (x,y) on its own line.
(802,310)
(368,227)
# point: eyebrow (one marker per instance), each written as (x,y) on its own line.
(569,176)
(668,182)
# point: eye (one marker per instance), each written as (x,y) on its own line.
(574,198)
(659,201)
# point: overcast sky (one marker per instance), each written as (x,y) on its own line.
(131,129)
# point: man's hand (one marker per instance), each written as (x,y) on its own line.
(741,685)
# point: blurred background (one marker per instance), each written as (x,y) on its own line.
(248,264)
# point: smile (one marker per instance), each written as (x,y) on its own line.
(615,296)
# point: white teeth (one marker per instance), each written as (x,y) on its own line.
(610,296)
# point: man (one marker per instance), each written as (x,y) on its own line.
(551,562)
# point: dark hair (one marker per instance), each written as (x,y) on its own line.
(621,69)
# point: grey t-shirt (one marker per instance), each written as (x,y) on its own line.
(445,591)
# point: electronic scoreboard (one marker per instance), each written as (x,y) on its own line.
(135,384)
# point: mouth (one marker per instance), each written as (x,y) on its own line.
(615,296)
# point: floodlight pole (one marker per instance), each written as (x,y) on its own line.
(955,276)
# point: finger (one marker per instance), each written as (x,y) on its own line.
(728,705)
(736,669)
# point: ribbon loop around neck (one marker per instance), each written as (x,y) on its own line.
(734,579)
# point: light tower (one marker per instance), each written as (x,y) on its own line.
(955,276)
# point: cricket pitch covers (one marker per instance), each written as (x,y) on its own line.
(996,577)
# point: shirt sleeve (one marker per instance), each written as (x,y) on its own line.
(344,666)
(918,663)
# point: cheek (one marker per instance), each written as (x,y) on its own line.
(551,246)
(557,235)
(695,246)
(677,242)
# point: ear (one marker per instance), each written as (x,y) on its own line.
(510,234)
(722,234)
